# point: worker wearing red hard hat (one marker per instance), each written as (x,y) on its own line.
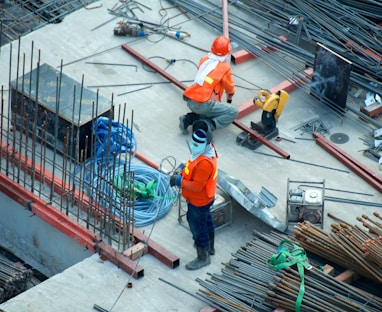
(204,96)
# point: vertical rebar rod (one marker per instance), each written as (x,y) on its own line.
(9,109)
(2,118)
(24,120)
(35,125)
(64,186)
(56,121)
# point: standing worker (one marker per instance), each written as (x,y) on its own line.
(197,180)
(214,77)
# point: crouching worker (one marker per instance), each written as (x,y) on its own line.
(204,96)
(197,180)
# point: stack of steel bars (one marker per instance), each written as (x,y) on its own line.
(251,34)
(347,245)
(369,8)
(14,278)
(322,293)
(244,279)
(336,25)
(22,17)
(262,26)
(258,24)
(248,284)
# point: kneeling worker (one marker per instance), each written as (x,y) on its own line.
(214,77)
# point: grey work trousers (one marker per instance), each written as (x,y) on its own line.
(221,113)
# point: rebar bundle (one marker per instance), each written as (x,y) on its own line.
(23,16)
(347,245)
(14,278)
(248,284)
(262,26)
(244,279)
(340,27)
(322,293)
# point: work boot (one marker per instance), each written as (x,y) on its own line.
(187,120)
(212,243)
(202,260)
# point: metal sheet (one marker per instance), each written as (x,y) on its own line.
(257,204)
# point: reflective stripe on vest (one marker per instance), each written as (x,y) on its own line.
(198,93)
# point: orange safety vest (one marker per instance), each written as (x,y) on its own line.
(208,192)
(207,91)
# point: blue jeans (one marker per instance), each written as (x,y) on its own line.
(200,223)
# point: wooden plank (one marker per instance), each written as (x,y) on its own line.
(136,251)
(347,276)
(328,269)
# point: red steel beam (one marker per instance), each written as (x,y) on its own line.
(246,108)
(365,173)
(153,66)
(147,160)
(364,51)
(68,226)
(225,23)
(260,138)
(158,251)
(121,261)
(48,213)
(345,155)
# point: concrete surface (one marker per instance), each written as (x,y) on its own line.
(156,111)
(32,238)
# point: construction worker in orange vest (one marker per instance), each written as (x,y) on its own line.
(204,96)
(197,179)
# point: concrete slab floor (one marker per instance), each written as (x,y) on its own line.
(82,38)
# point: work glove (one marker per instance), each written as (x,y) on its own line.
(229,98)
(178,170)
(175,180)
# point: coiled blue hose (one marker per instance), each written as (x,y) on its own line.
(146,210)
(100,172)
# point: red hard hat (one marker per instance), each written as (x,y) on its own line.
(221,46)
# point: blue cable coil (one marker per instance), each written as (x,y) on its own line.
(146,210)
(108,177)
